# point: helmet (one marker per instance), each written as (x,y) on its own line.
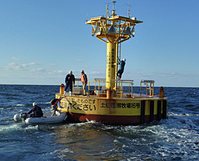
(34,104)
(123,59)
(82,71)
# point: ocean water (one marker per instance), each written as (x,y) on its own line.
(175,138)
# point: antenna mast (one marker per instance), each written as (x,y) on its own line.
(113,11)
(128,13)
(107,11)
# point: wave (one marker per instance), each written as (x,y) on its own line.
(16,127)
(183,114)
(43,103)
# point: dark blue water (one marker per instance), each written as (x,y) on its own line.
(176,138)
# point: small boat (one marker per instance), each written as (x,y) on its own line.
(55,118)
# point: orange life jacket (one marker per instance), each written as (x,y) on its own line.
(83,78)
(56,103)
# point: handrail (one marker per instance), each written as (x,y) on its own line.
(149,87)
(100,86)
(77,80)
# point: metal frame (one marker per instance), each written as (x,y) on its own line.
(149,87)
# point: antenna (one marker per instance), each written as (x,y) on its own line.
(107,11)
(128,13)
(87,17)
(113,11)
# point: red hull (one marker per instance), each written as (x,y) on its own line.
(112,120)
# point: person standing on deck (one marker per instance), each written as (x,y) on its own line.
(84,81)
(121,69)
(69,81)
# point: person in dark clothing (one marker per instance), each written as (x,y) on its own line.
(69,81)
(121,69)
(35,111)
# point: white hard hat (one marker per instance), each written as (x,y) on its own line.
(124,59)
(34,104)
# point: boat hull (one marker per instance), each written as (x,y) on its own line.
(60,117)
(111,120)
(128,111)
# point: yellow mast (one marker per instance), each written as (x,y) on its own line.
(112,30)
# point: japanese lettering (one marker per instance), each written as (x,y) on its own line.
(120,105)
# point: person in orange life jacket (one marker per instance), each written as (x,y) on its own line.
(35,111)
(84,81)
(121,69)
(69,81)
(55,103)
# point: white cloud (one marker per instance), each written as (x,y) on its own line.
(38,70)
(16,66)
(15,58)
(53,64)
(32,67)
(78,60)
(97,73)
(29,64)
(60,72)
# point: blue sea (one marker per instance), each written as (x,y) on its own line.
(175,138)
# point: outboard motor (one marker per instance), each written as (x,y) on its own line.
(20,117)
(17,118)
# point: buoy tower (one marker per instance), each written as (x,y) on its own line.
(111,100)
(113,31)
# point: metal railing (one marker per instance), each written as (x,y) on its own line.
(99,85)
(123,87)
(149,87)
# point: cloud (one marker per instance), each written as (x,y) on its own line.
(29,64)
(55,72)
(15,58)
(98,72)
(16,66)
(33,67)
(170,74)
(38,70)
(52,64)
(1,68)
(78,60)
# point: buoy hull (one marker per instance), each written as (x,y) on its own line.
(129,111)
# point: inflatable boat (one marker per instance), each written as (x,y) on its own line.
(54,118)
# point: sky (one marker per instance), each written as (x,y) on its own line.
(42,40)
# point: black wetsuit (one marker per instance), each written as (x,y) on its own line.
(36,112)
(121,70)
